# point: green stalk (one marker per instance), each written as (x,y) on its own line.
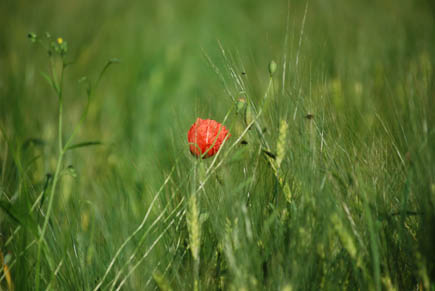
(373,243)
(193,223)
(266,99)
(55,180)
(47,216)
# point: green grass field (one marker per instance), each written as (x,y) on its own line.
(327,181)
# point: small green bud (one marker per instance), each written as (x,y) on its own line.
(241,105)
(55,47)
(32,36)
(272,67)
(71,171)
(59,46)
(63,47)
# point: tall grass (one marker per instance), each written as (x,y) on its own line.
(327,181)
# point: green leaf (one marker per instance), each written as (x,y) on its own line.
(48,79)
(19,215)
(203,217)
(7,208)
(108,64)
(83,144)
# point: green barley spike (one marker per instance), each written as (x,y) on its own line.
(194,226)
(249,114)
(281,144)
(241,105)
(161,281)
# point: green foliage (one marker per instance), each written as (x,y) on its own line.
(327,182)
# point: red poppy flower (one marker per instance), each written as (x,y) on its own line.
(206,136)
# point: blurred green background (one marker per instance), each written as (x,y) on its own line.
(147,102)
(363,68)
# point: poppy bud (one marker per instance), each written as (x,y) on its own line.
(272,67)
(206,136)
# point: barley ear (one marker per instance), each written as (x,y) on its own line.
(281,144)
(281,149)
(161,281)
(194,228)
